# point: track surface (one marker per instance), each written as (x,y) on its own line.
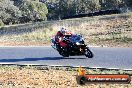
(103,57)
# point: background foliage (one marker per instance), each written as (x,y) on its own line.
(23,11)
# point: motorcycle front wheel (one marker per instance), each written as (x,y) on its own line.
(88,53)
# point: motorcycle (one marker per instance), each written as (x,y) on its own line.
(75,46)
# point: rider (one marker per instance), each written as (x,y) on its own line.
(60,36)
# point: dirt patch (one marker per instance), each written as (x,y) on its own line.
(112,31)
(11,43)
(31,77)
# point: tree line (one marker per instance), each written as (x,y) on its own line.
(59,9)
(23,11)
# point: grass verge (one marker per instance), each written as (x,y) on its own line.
(98,30)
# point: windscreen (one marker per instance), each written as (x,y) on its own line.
(75,38)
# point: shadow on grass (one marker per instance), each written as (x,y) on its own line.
(36,59)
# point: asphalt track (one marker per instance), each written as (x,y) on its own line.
(103,57)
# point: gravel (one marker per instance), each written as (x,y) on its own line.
(49,77)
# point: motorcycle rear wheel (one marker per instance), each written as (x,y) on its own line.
(88,53)
(64,54)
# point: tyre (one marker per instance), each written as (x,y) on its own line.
(88,53)
(81,80)
(64,53)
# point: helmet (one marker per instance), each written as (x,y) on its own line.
(62,30)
